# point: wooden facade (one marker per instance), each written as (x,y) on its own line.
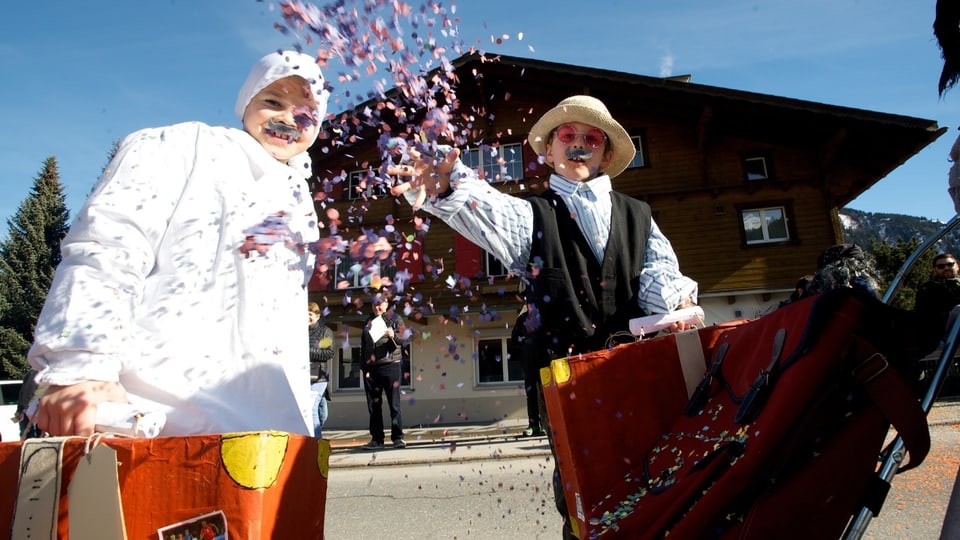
(698,146)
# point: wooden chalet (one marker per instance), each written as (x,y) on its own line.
(746,186)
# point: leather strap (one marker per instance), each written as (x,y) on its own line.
(692,362)
(38,495)
(892,395)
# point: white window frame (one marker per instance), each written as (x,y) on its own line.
(503,337)
(373,189)
(637,161)
(755,168)
(764,220)
(343,270)
(492,266)
(493,171)
(343,359)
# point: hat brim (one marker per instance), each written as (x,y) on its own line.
(620,142)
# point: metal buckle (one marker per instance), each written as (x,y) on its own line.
(874,365)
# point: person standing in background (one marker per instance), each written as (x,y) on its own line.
(381,352)
(523,347)
(937,296)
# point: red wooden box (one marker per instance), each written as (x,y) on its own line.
(608,408)
(266,484)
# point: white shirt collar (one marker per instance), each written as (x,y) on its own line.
(600,186)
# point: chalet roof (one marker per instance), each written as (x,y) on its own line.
(879,142)
(682,86)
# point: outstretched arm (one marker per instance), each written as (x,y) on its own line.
(428,176)
(498,222)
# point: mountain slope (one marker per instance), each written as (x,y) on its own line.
(863,228)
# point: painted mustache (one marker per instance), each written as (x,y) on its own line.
(283,130)
(579,153)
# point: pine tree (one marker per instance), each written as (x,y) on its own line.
(889,259)
(28,258)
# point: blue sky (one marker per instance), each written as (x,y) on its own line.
(79,75)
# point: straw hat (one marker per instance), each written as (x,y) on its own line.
(587,110)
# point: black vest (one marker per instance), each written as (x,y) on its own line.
(582,303)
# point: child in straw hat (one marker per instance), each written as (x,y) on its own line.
(572,241)
(592,258)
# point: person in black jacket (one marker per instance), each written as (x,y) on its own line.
(524,347)
(937,296)
(381,344)
(321,354)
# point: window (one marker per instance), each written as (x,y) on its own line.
(638,157)
(492,265)
(497,163)
(765,225)
(348,369)
(365,184)
(755,168)
(494,364)
(10,392)
(353,274)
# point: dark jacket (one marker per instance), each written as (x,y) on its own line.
(385,350)
(581,302)
(321,350)
(935,299)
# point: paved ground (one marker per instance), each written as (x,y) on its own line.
(438,444)
(915,509)
(482,441)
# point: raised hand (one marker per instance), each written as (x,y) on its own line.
(428,173)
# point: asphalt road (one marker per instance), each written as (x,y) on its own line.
(917,502)
(492,499)
(500,489)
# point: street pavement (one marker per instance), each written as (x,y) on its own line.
(438,444)
(914,509)
(501,440)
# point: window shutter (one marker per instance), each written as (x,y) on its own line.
(468,261)
(410,258)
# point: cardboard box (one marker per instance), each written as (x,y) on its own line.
(607,409)
(260,485)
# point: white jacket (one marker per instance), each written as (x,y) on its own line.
(180,281)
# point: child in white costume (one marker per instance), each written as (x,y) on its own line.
(183,281)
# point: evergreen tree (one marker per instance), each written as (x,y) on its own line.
(28,258)
(890,257)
